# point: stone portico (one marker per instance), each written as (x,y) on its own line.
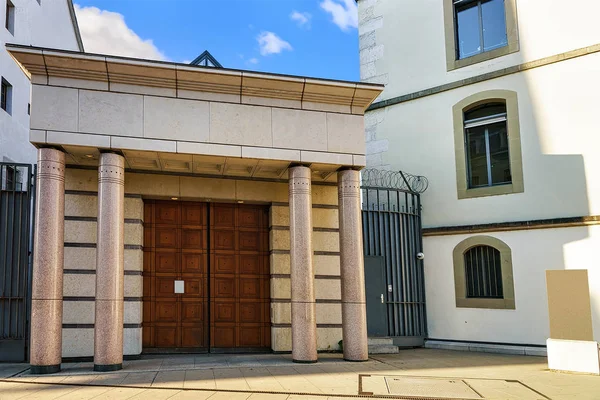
(149,171)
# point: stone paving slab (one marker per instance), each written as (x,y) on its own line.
(277,377)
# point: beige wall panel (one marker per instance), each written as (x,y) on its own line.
(77,205)
(281,339)
(279,239)
(111,113)
(328,338)
(240,124)
(329,313)
(326,241)
(152,185)
(281,288)
(176,119)
(54,108)
(297,129)
(569,305)
(78,342)
(134,233)
(134,208)
(80,232)
(81,179)
(138,89)
(261,191)
(133,260)
(326,195)
(80,258)
(282,313)
(280,264)
(328,289)
(132,312)
(279,216)
(214,189)
(78,312)
(345,133)
(134,286)
(132,341)
(325,218)
(79,285)
(327,265)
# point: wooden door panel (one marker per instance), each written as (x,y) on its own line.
(239,264)
(166,262)
(235,313)
(166,237)
(175,249)
(167,213)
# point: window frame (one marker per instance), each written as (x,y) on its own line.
(485,122)
(460,282)
(6,92)
(517,185)
(9,17)
(450,27)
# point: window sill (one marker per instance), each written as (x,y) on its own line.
(511,188)
(488,55)
(497,304)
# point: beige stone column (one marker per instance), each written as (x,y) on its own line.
(108,328)
(354,310)
(304,325)
(48,257)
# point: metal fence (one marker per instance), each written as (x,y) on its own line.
(391,214)
(17,191)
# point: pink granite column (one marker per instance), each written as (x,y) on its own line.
(354,310)
(48,258)
(304,325)
(108,328)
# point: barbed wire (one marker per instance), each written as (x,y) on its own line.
(378,178)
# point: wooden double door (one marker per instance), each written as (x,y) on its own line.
(206,277)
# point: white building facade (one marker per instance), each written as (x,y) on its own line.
(494,101)
(48,23)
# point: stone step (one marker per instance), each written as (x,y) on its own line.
(383,349)
(381,341)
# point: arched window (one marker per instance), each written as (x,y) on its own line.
(488,145)
(483,275)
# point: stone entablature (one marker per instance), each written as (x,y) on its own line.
(124,104)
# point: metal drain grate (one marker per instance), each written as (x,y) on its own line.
(430,387)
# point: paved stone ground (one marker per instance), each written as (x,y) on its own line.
(438,374)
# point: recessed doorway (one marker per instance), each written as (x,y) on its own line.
(206,277)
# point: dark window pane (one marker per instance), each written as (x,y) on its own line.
(483,273)
(468,31)
(485,110)
(494,24)
(499,159)
(477,157)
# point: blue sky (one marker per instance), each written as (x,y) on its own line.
(299,37)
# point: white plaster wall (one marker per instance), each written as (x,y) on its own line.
(533,252)
(47,24)
(560,142)
(410,52)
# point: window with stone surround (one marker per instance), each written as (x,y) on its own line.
(483,274)
(487,144)
(479,30)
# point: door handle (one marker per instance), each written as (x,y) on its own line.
(382,298)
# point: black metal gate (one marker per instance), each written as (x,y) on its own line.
(17,190)
(391,218)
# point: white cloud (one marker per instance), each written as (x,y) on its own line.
(107,32)
(253,61)
(302,19)
(344,13)
(270,43)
